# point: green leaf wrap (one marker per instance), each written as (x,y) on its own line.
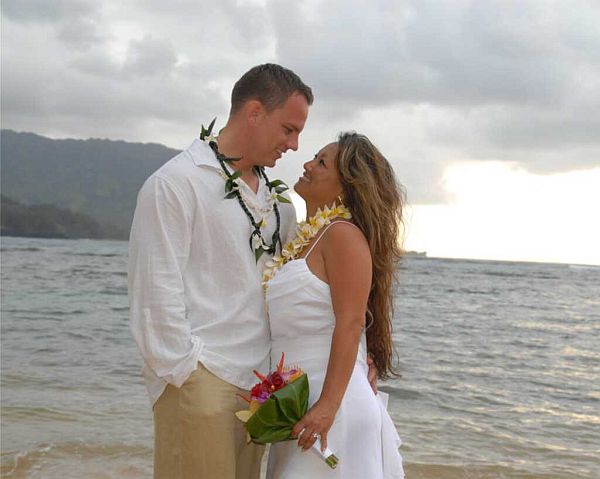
(275,419)
(276,183)
(210,127)
(257,254)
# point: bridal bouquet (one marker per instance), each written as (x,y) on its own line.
(276,404)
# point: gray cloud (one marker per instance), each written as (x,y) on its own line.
(150,56)
(432,82)
(506,80)
(74,21)
(80,34)
(44,11)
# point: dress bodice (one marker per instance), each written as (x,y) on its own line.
(301,316)
(295,285)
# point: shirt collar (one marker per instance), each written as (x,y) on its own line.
(203,155)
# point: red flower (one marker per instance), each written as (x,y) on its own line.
(277,380)
(256,390)
(280,365)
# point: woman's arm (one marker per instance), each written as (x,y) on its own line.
(348,266)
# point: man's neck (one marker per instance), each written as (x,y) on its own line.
(230,146)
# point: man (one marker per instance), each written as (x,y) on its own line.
(196,305)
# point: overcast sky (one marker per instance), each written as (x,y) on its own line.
(435,84)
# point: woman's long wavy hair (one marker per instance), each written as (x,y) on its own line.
(376,201)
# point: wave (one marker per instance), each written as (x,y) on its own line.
(584,267)
(526,274)
(486,471)
(472,291)
(114,290)
(119,308)
(115,460)
(27,249)
(43,313)
(97,255)
(38,414)
(78,459)
(400,393)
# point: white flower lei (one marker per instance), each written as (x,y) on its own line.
(305,232)
(269,198)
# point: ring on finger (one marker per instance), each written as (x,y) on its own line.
(314,435)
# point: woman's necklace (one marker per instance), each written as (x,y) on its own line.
(305,232)
(232,190)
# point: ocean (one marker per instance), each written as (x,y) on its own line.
(499,361)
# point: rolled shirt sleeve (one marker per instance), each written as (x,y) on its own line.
(159,248)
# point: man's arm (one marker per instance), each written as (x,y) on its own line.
(159,247)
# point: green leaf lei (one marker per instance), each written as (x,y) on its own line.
(276,188)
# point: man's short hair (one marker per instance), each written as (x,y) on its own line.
(270,84)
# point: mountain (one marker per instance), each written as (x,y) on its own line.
(97,178)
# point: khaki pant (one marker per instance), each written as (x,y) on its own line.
(196,434)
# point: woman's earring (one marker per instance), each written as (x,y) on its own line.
(340,200)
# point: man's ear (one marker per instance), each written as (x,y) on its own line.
(254,111)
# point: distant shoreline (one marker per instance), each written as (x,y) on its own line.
(406,255)
(420,254)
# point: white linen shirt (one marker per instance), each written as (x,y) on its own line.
(195,293)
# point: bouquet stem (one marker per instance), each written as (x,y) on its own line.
(328,456)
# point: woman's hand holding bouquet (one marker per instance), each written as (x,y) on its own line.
(278,408)
(313,427)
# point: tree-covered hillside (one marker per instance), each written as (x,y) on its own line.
(47,221)
(98,178)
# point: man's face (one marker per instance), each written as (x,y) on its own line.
(275,132)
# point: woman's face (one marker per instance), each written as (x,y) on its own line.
(320,184)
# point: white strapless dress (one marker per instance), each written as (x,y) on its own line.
(363,435)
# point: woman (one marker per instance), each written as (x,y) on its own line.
(330,299)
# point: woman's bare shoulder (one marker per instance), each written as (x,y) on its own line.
(345,238)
